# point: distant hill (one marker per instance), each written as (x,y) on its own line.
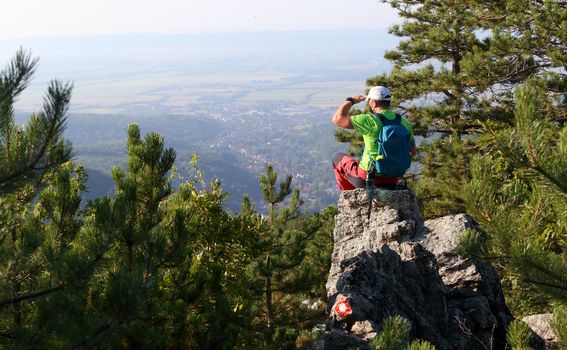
(99,184)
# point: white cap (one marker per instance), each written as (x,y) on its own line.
(379,93)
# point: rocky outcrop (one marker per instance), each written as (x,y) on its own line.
(541,325)
(387,261)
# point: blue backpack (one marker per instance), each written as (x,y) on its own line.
(394,144)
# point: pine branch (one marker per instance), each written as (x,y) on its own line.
(16,76)
(546,180)
(32,295)
(545,284)
(548,272)
(56,288)
(6,335)
(92,338)
(55,107)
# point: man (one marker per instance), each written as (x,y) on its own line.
(348,172)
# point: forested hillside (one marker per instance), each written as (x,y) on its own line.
(233,145)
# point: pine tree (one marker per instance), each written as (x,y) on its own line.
(559,325)
(395,335)
(174,272)
(518,194)
(273,196)
(36,241)
(40,257)
(527,39)
(293,255)
(519,335)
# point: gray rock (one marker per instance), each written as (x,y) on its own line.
(465,277)
(442,235)
(365,329)
(312,304)
(541,325)
(355,232)
(386,261)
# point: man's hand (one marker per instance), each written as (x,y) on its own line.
(341,117)
(358,98)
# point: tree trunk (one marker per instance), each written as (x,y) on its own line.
(271,214)
(268,308)
(17,307)
(130,256)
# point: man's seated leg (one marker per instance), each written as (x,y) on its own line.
(347,172)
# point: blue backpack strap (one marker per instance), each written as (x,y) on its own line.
(386,121)
(380,116)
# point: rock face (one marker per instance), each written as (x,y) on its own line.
(387,261)
(541,325)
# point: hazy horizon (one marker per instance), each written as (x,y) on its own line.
(69,17)
(112,72)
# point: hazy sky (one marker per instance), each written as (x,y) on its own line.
(27,18)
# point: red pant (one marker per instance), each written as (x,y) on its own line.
(350,176)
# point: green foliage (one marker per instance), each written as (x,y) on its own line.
(473,243)
(523,298)
(438,187)
(519,335)
(148,268)
(271,195)
(559,325)
(420,345)
(518,195)
(27,153)
(395,335)
(152,267)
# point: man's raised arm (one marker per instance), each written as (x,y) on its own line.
(341,117)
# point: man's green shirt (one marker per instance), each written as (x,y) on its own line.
(370,126)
